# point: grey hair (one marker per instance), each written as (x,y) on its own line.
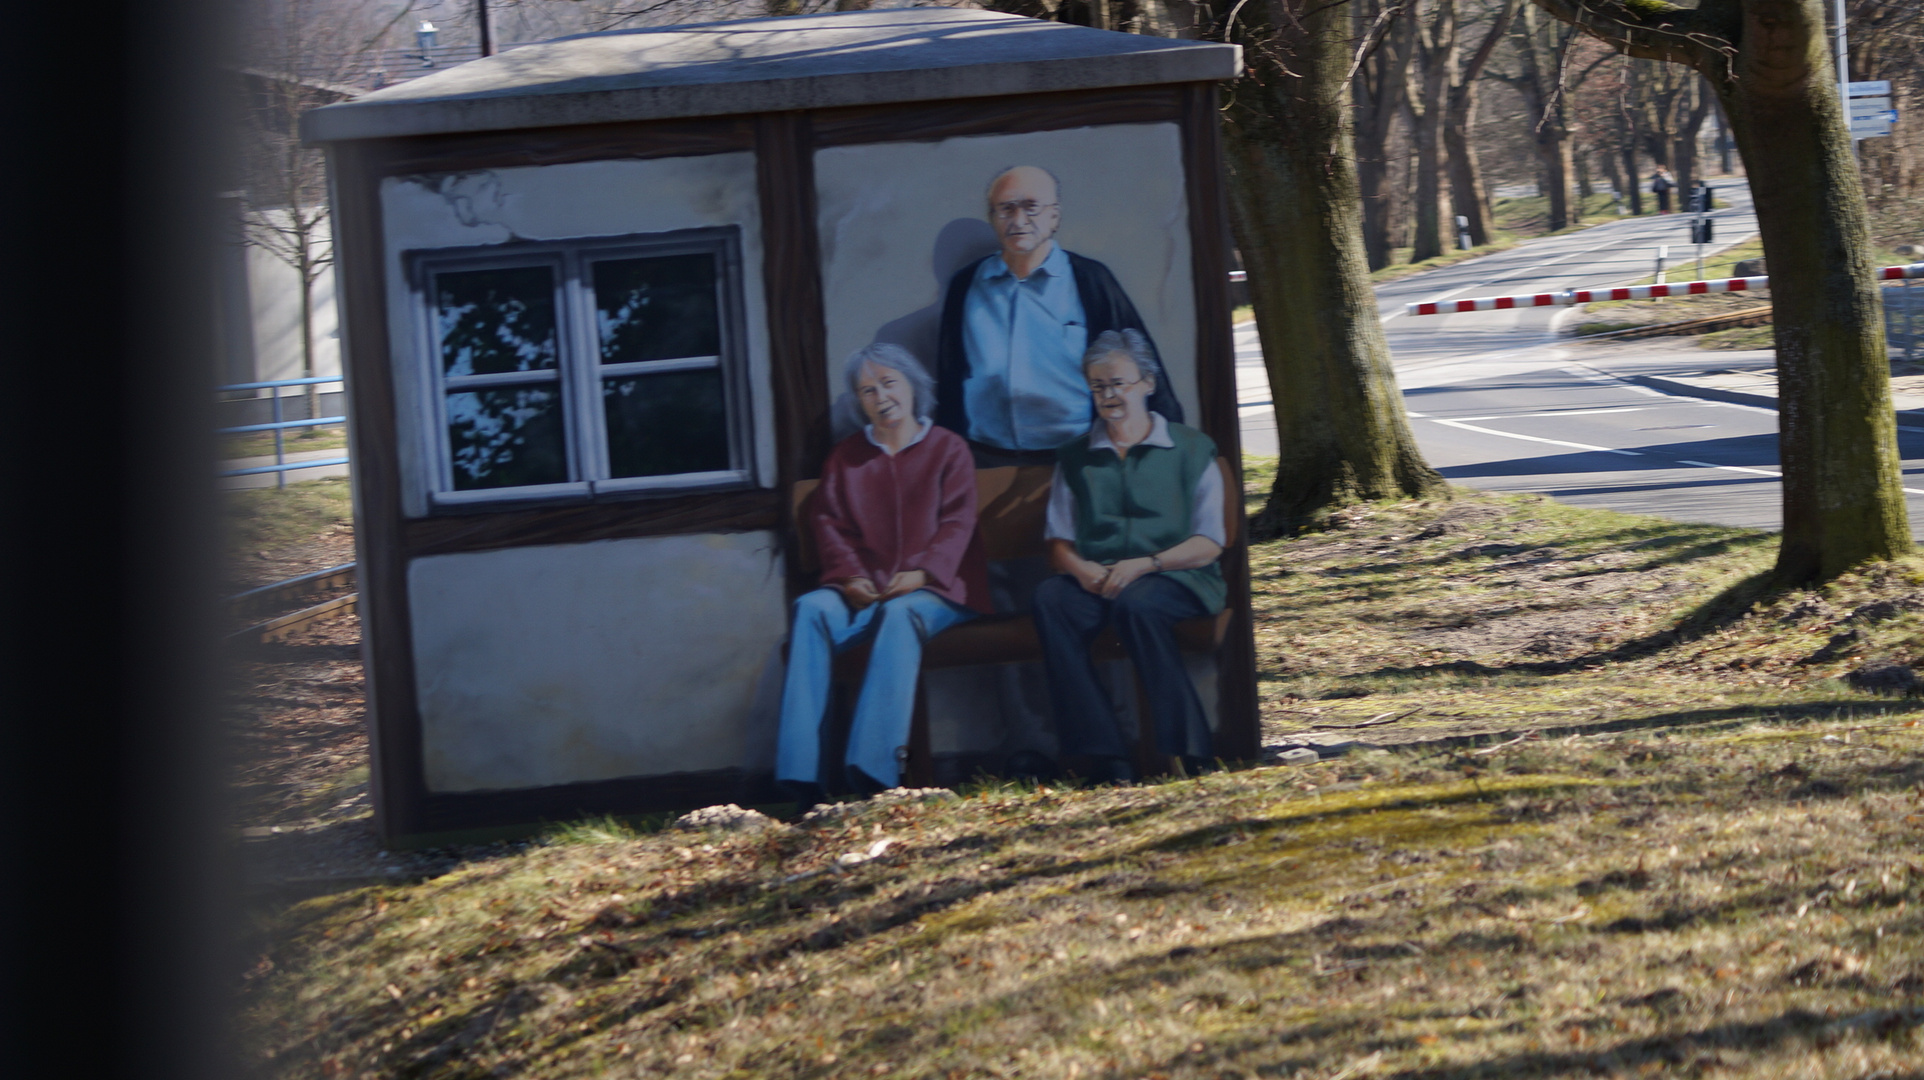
(895,358)
(1131,343)
(1007,169)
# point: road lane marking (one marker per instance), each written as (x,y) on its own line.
(1533,438)
(1565,412)
(1731,468)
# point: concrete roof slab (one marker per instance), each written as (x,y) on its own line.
(769,65)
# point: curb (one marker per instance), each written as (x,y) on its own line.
(1737,397)
(1709,393)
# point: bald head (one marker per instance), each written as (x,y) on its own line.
(1022,207)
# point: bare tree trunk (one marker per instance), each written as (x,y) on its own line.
(1539,83)
(1770,64)
(1467,194)
(1341,423)
(1436,48)
(1627,116)
(1380,89)
(1426,132)
(1685,154)
(307,274)
(1613,168)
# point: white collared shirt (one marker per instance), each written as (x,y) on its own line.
(1205,509)
(868,431)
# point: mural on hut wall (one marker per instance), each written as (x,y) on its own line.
(1027,367)
(1004,313)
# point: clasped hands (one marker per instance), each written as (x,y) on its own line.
(860,592)
(1109,581)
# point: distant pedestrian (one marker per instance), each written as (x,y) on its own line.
(1661,185)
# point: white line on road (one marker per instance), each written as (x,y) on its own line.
(1532,438)
(1567,412)
(1732,468)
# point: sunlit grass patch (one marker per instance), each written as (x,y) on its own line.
(1551,908)
(273,518)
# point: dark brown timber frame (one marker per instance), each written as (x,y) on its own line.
(784,145)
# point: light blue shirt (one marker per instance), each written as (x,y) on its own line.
(1024,340)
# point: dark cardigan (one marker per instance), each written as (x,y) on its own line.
(1105,307)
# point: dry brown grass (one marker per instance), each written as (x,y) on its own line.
(1737,903)
(1722,885)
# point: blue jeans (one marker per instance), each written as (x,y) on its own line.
(824,626)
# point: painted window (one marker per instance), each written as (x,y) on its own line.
(595,368)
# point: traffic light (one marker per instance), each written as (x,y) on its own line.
(1702,231)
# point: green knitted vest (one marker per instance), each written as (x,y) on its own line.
(1134,507)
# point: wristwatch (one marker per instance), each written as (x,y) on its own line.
(1156,561)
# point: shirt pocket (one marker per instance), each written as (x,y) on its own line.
(1075,339)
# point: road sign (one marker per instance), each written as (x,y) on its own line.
(1871,127)
(1868,107)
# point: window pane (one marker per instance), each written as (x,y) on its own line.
(657,309)
(506,437)
(668,423)
(493,321)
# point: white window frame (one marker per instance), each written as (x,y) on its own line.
(579,371)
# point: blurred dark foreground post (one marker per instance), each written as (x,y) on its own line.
(114,955)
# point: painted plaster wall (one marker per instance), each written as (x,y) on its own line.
(553,202)
(572,662)
(897,219)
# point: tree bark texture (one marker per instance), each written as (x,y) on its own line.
(1343,433)
(1380,89)
(1436,51)
(1539,83)
(1770,64)
(1467,194)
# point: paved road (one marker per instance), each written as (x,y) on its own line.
(1497,403)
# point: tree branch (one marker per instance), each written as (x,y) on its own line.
(1654,29)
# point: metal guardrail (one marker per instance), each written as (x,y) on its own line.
(281,465)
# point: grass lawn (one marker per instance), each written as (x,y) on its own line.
(261,443)
(1686,844)
(270,519)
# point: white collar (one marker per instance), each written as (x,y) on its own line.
(868,430)
(1055,264)
(1158,434)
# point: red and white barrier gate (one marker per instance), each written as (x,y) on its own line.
(1628,292)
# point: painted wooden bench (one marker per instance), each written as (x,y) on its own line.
(1011,510)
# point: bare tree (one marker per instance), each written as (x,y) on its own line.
(1769,63)
(1343,432)
(1542,51)
(1467,195)
(1380,88)
(300,53)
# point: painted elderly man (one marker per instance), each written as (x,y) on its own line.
(1014,327)
(894,522)
(1135,527)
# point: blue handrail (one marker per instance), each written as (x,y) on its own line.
(282,466)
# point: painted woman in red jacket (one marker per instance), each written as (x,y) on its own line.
(894,521)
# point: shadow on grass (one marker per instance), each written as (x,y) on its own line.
(1716,613)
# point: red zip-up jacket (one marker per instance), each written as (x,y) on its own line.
(876,515)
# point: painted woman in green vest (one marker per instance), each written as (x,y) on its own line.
(1135,529)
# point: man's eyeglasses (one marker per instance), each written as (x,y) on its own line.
(1116,386)
(1028,208)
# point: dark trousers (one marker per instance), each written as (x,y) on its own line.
(1068,618)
